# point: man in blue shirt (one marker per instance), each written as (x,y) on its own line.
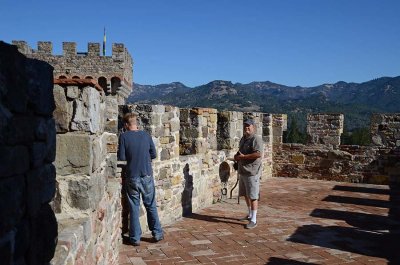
(137,148)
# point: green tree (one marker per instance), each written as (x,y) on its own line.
(358,136)
(294,135)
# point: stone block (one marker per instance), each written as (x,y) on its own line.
(73,92)
(12,198)
(89,112)
(74,154)
(14,160)
(64,109)
(19,129)
(40,87)
(38,153)
(50,141)
(298,159)
(99,151)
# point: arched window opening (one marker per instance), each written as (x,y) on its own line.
(62,77)
(103,83)
(88,77)
(76,77)
(115,84)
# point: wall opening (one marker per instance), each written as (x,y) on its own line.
(115,84)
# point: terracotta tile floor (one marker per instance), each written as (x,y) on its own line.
(299,222)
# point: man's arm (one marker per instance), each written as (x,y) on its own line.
(121,149)
(252,156)
(153,152)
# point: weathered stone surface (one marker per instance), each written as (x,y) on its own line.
(64,109)
(73,92)
(74,154)
(89,114)
(99,151)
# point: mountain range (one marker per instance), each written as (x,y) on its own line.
(357,101)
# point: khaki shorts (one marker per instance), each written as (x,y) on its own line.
(249,186)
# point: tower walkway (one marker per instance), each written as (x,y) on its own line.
(299,222)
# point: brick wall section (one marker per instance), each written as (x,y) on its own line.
(324,129)
(28,227)
(88,198)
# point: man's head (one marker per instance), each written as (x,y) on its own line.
(249,127)
(130,120)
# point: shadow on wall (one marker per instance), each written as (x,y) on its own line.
(187,192)
(125,204)
(368,234)
(224,174)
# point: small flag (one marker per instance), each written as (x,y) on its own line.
(104,42)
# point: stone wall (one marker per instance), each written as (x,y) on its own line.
(324,129)
(376,164)
(189,181)
(88,198)
(28,227)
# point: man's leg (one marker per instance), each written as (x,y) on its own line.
(252,195)
(149,201)
(242,192)
(133,195)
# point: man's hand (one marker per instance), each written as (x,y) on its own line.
(239,156)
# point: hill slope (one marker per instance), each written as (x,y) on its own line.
(356,101)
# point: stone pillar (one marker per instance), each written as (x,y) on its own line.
(93,49)
(69,48)
(28,227)
(45,47)
(325,129)
(279,125)
(198,132)
(230,129)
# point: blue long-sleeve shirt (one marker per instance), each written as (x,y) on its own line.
(137,148)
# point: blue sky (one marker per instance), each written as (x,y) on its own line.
(291,42)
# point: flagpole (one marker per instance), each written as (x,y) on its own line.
(104,42)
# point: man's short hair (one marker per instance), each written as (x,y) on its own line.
(130,118)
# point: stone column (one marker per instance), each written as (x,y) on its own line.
(230,129)
(324,129)
(198,130)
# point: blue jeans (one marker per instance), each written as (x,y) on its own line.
(136,187)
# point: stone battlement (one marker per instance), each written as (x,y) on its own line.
(113,73)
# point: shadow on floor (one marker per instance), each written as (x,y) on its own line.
(369,234)
(281,261)
(216,219)
(362,189)
(358,201)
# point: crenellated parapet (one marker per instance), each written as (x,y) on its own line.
(112,73)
